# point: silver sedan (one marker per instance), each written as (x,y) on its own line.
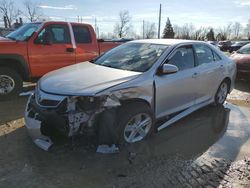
(129,92)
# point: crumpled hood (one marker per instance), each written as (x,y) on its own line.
(84,79)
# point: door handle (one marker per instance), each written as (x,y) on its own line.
(221,66)
(195,75)
(70,49)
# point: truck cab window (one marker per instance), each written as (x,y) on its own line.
(59,34)
(82,34)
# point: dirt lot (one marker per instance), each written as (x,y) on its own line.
(241,93)
(209,148)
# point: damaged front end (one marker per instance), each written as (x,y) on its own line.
(47,115)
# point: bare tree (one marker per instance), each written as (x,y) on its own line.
(177,30)
(203,34)
(33,11)
(122,28)
(9,11)
(187,31)
(225,32)
(200,34)
(197,34)
(247,30)
(106,36)
(149,30)
(236,29)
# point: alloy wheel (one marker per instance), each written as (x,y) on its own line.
(137,128)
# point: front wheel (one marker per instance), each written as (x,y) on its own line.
(221,93)
(10,83)
(136,122)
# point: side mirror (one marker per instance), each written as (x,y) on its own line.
(169,69)
(47,38)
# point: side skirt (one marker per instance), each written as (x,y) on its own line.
(184,114)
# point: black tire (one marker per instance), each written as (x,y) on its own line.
(18,83)
(217,100)
(127,112)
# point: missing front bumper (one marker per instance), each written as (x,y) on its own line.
(72,117)
(33,126)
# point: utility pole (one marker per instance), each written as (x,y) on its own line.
(159,24)
(97,32)
(143,32)
(78,19)
(95,25)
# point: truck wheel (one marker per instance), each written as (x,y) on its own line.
(10,83)
(136,122)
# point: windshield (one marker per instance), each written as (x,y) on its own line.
(24,32)
(137,57)
(244,50)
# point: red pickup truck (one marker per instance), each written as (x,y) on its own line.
(37,48)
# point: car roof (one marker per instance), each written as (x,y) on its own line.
(59,22)
(165,41)
(246,46)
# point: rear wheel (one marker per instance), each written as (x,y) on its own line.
(221,93)
(10,83)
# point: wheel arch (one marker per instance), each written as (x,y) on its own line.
(17,63)
(136,100)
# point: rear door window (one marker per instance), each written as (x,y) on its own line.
(204,54)
(183,58)
(216,56)
(82,34)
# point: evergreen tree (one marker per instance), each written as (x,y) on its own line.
(168,32)
(210,35)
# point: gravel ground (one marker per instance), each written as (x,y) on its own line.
(201,172)
(241,94)
(178,157)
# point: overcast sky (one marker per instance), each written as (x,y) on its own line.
(213,13)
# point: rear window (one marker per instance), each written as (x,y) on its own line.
(82,34)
